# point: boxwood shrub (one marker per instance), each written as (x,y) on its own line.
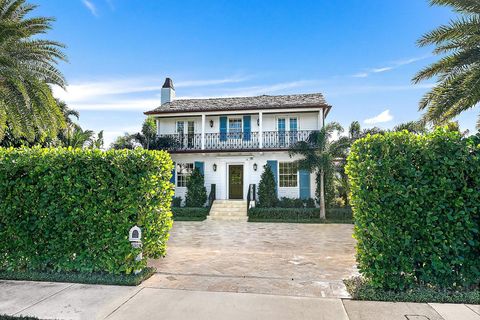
(190,214)
(70,210)
(416,202)
(299,214)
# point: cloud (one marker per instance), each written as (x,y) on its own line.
(392,66)
(91,7)
(385,116)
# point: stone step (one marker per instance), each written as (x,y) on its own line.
(230,205)
(227,218)
(220,213)
(233,210)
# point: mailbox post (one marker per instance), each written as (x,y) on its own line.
(135,238)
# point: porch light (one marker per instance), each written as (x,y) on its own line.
(214,167)
(211,123)
(258,121)
(255,167)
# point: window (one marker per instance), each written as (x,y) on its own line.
(293,124)
(184,170)
(281,124)
(287,175)
(180,127)
(235,127)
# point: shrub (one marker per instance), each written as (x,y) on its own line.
(176,202)
(296,214)
(416,202)
(267,194)
(285,202)
(190,213)
(196,192)
(70,210)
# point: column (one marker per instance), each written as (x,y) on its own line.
(260,130)
(203,132)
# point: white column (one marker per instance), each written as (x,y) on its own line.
(260,130)
(158,126)
(320,119)
(203,132)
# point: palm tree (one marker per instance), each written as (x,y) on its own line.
(27,69)
(320,154)
(458,86)
(74,136)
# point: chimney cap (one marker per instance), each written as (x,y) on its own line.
(168,84)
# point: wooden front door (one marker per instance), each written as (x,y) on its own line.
(235,182)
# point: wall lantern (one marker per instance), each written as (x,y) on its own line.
(255,167)
(211,123)
(258,121)
(214,167)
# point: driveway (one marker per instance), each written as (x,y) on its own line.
(308,260)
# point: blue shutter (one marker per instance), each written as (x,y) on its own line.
(247,127)
(223,128)
(200,166)
(172,179)
(304,184)
(273,164)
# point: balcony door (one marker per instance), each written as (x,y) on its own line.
(281,126)
(186,135)
(235,181)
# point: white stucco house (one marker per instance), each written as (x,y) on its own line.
(231,139)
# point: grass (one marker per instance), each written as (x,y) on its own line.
(360,289)
(77,277)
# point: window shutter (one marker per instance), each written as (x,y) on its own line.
(200,166)
(273,164)
(223,128)
(247,127)
(304,184)
(172,179)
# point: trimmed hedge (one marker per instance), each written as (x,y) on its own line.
(416,201)
(189,214)
(70,210)
(299,214)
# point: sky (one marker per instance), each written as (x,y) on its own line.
(361,54)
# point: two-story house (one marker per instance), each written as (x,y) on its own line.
(231,139)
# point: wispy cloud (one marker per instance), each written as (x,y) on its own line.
(391,66)
(385,116)
(91,7)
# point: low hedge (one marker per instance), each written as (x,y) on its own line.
(360,289)
(299,215)
(70,210)
(416,201)
(79,277)
(189,214)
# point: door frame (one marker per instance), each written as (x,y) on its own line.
(228,179)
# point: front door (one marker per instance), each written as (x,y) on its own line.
(235,182)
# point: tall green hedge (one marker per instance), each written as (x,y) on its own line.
(416,203)
(71,209)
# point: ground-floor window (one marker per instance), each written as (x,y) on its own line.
(287,174)
(184,170)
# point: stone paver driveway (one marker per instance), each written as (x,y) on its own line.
(307,260)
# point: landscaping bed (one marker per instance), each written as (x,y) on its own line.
(299,215)
(360,289)
(78,277)
(190,214)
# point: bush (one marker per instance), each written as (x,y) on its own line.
(190,214)
(416,202)
(285,202)
(297,214)
(176,202)
(196,192)
(70,210)
(267,189)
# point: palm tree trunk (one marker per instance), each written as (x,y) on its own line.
(322,195)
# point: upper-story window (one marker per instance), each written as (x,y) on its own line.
(235,127)
(293,123)
(287,174)
(184,171)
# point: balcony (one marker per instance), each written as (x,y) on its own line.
(238,141)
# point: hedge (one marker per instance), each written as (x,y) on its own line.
(190,214)
(298,214)
(416,202)
(70,210)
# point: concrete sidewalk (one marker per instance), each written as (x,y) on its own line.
(47,300)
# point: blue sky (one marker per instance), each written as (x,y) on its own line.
(360,54)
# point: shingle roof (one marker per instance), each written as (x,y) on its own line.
(310,100)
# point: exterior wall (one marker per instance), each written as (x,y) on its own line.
(220,177)
(306,121)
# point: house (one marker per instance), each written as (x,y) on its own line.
(231,139)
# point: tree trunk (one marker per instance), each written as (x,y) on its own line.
(322,195)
